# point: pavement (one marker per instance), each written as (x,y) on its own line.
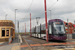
(15,45)
(3,43)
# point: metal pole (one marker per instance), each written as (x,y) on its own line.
(68,29)
(46,21)
(15,20)
(37,30)
(74,22)
(25,28)
(50,14)
(37,24)
(18,31)
(30,25)
(40,30)
(6,17)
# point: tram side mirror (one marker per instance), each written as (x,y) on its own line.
(66,23)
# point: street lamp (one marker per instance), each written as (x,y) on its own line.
(15,19)
(25,28)
(37,20)
(68,28)
(6,17)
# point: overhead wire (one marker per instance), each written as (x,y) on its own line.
(50,7)
(30,5)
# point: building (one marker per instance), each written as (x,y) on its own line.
(71,27)
(7,29)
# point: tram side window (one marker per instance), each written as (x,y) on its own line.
(3,31)
(50,30)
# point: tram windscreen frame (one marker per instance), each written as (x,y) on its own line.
(59,27)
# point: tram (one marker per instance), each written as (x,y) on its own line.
(56,30)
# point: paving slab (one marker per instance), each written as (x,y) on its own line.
(9,47)
(15,45)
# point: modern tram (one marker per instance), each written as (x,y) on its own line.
(56,30)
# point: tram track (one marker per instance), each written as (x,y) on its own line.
(36,41)
(27,43)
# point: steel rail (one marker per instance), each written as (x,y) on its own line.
(27,43)
(38,42)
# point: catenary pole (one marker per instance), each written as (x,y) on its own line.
(18,31)
(50,15)
(30,25)
(6,17)
(46,21)
(68,28)
(25,28)
(15,20)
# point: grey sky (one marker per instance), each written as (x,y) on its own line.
(62,9)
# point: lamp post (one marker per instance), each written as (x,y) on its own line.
(37,20)
(50,14)
(15,19)
(30,25)
(68,28)
(18,30)
(25,28)
(6,17)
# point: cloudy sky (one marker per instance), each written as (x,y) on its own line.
(61,9)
